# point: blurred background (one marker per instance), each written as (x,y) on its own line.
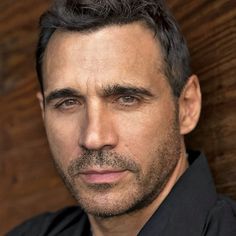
(29,183)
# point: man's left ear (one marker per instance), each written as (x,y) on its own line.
(40,98)
(189,105)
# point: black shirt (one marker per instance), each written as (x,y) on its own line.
(193,208)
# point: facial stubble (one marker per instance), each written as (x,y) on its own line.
(147,187)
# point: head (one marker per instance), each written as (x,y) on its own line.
(88,16)
(117,97)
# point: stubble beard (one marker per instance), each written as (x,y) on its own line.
(145,189)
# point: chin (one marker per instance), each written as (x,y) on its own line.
(107,203)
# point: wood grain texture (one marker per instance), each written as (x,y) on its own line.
(210,30)
(29,183)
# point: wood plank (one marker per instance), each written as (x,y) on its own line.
(28,180)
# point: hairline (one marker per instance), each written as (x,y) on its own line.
(162,68)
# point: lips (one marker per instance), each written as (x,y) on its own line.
(101,176)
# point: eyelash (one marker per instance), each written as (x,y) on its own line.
(60,104)
(135,100)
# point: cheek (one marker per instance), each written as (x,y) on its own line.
(63,138)
(144,134)
(144,130)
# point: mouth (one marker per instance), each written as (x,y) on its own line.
(102,176)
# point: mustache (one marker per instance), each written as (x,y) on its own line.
(92,158)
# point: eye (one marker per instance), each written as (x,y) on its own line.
(67,104)
(128,100)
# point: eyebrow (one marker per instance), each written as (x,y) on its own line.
(110,90)
(113,90)
(61,93)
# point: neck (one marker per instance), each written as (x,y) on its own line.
(131,224)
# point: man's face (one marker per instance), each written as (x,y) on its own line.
(110,117)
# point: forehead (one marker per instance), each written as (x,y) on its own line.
(124,53)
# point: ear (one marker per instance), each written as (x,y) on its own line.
(189,105)
(40,98)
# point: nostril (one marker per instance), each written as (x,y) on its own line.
(102,148)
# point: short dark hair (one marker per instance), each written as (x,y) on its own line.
(91,15)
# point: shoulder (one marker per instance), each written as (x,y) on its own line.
(49,223)
(221,220)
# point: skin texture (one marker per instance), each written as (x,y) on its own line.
(113,125)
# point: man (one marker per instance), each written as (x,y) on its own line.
(117,97)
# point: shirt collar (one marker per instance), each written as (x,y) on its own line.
(185,209)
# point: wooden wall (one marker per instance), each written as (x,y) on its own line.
(210,29)
(28,182)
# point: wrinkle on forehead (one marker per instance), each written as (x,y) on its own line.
(111,53)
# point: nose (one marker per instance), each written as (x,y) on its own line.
(98,130)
